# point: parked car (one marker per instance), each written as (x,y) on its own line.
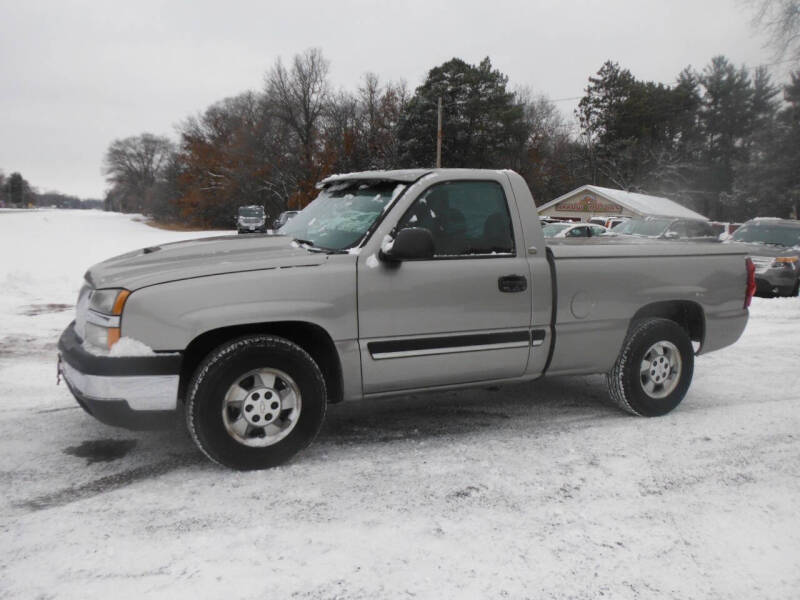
(251,219)
(614,221)
(389,283)
(284,218)
(774,246)
(667,228)
(573,230)
(608,221)
(723,229)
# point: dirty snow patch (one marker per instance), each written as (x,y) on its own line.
(372,261)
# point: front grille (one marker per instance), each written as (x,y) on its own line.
(761,263)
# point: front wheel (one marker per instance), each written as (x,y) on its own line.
(654,369)
(255,402)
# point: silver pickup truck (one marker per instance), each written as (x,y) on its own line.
(389,283)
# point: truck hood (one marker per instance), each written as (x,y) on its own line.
(199,258)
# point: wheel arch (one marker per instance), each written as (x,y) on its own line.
(310,337)
(686,313)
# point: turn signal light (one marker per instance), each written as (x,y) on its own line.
(119,303)
(751,282)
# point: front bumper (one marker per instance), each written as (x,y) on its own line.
(773,281)
(252,227)
(137,392)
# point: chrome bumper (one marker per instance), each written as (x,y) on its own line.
(132,392)
(146,392)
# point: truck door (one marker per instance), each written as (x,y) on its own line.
(463,315)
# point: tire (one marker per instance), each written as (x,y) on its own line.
(657,390)
(264,371)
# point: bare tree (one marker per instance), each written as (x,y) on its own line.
(780,20)
(300,95)
(547,161)
(381,109)
(132,166)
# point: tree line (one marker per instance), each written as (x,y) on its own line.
(16,192)
(723,140)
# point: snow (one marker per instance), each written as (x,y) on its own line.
(127,346)
(372,261)
(387,243)
(540,490)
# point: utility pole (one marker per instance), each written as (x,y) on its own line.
(439,137)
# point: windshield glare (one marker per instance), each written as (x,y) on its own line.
(342,213)
(768,233)
(552,229)
(648,228)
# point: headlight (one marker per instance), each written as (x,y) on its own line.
(102,328)
(785,262)
(108,302)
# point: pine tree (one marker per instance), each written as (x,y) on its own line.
(483,125)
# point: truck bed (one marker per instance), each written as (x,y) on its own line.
(601,284)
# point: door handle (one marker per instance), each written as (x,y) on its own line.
(512,283)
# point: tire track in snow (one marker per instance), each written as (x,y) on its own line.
(109,483)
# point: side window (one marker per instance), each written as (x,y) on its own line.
(700,229)
(597,231)
(465,218)
(578,232)
(679,227)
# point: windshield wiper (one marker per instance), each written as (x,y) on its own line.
(312,247)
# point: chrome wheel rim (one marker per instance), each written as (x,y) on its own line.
(660,370)
(261,407)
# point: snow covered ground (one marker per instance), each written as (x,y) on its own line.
(531,491)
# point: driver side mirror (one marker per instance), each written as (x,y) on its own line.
(671,235)
(412,243)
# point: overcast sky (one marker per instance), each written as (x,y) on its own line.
(76,75)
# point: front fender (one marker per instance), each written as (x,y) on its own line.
(168,316)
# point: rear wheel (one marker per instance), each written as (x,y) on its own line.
(255,402)
(654,369)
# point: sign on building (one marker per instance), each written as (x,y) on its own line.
(588,203)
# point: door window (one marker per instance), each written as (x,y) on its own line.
(582,231)
(597,231)
(679,227)
(698,229)
(466,218)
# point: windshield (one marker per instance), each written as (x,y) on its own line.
(342,213)
(552,229)
(768,233)
(648,228)
(251,212)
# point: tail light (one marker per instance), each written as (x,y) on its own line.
(751,282)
